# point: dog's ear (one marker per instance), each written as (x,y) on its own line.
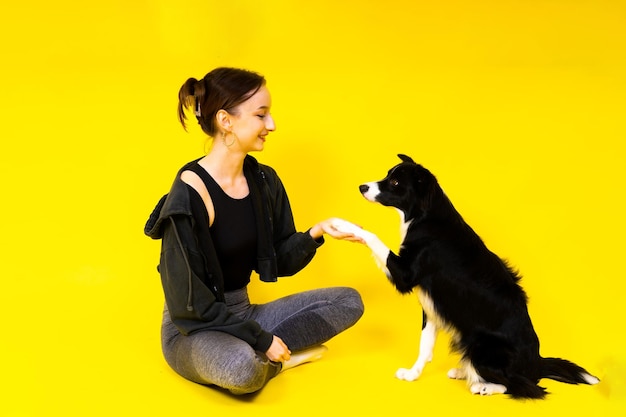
(405,158)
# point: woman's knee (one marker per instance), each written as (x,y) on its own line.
(351,298)
(237,367)
(347,308)
(250,373)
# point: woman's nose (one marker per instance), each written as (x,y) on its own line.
(270,124)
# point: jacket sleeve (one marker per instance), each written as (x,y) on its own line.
(192,305)
(294,250)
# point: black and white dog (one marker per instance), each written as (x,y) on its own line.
(464,289)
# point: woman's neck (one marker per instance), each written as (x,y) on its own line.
(226,168)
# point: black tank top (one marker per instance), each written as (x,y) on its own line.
(233,232)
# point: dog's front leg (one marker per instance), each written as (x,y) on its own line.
(378,248)
(427,344)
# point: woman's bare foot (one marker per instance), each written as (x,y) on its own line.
(304,356)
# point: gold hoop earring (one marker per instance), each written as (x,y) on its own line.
(228,145)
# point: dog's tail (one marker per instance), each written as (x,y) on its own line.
(565,371)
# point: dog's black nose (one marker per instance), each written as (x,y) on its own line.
(363,188)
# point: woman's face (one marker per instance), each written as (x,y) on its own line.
(252,121)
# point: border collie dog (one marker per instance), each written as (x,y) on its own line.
(464,289)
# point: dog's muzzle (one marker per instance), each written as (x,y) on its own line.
(369,191)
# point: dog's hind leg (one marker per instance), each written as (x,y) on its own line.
(427,344)
(457,373)
(487,388)
(475,382)
(464,371)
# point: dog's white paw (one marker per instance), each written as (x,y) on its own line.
(486,388)
(345,226)
(408,374)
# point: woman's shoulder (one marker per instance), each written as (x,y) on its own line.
(188,166)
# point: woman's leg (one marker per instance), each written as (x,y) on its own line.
(216,358)
(302,321)
(309,318)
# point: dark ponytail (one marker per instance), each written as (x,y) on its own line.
(221,89)
(186,99)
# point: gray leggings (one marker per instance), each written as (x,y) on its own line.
(301,320)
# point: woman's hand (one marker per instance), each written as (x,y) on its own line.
(326,227)
(278,351)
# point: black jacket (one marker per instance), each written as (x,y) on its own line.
(193,281)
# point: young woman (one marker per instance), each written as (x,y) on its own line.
(225,216)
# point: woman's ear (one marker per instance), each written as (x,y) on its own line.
(223,119)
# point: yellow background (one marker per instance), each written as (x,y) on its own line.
(516,106)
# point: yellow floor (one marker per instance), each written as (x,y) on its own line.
(93,350)
(517,107)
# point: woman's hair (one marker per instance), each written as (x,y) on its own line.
(221,89)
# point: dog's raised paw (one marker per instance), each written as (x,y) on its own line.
(407,374)
(345,226)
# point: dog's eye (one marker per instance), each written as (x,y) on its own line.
(393,182)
